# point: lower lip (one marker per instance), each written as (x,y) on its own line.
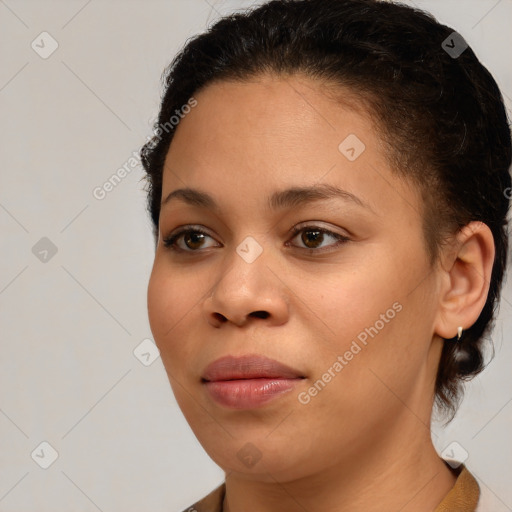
(249,393)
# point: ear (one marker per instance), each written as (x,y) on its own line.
(465,279)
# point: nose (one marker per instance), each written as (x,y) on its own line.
(244,293)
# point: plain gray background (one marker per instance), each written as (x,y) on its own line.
(72,319)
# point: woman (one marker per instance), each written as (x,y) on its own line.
(330,227)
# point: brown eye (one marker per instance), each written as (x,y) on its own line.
(192,240)
(312,237)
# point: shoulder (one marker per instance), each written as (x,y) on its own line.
(211,502)
(464,495)
(471,494)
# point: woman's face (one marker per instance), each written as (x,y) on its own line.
(351,316)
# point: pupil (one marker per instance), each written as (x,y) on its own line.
(317,236)
(195,237)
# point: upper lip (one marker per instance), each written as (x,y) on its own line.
(251,366)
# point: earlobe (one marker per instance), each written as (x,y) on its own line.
(465,281)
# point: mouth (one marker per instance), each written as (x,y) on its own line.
(251,366)
(249,381)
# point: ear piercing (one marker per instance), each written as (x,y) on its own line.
(459,332)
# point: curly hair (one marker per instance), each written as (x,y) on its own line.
(440,115)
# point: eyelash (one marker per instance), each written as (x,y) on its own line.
(170,241)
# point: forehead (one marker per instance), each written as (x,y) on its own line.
(257,136)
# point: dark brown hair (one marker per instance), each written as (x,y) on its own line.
(441,115)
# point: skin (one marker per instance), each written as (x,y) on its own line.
(363,443)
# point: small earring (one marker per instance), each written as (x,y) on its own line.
(459,332)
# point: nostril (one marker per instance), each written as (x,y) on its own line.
(220,318)
(260,314)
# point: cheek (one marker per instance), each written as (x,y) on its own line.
(367,316)
(169,301)
(349,302)
(159,298)
(384,341)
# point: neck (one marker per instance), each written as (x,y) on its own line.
(403,472)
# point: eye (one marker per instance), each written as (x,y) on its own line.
(313,236)
(192,237)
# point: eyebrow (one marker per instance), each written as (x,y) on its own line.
(291,197)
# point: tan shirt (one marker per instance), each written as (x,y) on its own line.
(463,496)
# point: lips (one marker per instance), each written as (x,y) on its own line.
(248,367)
(249,381)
